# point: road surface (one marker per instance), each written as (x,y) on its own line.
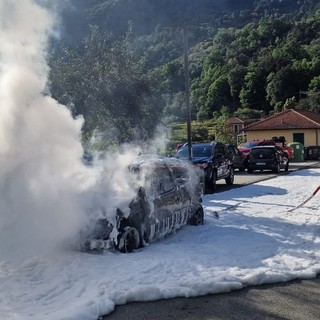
(294,300)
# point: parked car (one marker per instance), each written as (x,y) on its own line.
(246,147)
(268,158)
(167,198)
(239,160)
(275,141)
(214,159)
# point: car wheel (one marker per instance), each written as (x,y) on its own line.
(129,240)
(277,168)
(212,184)
(230,178)
(250,170)
(197,218)
(287,167)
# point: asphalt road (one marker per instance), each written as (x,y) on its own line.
(244,178)
(294,300)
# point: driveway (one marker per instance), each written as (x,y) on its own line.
(294,300)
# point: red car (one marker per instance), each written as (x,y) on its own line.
(247,146)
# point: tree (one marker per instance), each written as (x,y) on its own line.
(108,86)
(248,113)
(253,92)
(235,79)
(218,94)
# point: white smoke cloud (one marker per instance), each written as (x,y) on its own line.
(41,173)
(47,194)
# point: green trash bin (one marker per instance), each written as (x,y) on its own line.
(298,151)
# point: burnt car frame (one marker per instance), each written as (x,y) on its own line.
(267,158)
(167,199)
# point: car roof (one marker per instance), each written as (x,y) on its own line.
(259,141)
(156,160)
(231,145)
(202,144)
(264,147)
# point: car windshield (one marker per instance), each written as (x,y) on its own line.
(155,179)
(197,151)
(264,153)
(249,144)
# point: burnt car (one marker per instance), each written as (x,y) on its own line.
(267,158)
(215,161)
(239,160)
(167,198)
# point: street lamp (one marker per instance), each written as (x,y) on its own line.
(187,89)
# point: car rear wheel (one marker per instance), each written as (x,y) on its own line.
(129,240)
(287,166)
(230,178)
(277,168)
(212,183)
(198,218)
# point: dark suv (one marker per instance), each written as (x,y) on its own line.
(167,198)
(215,160)
(267,158)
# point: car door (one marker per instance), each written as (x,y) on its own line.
(166,203)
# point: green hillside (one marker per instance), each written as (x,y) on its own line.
(120,64)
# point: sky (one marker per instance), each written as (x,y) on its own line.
(256,240)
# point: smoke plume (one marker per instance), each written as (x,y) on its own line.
(46,191)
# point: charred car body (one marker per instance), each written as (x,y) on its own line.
(167,199)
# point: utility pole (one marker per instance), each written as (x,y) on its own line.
(187,89)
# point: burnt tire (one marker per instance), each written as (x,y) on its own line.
(197,218)
(129,240)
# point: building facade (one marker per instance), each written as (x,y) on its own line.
(294,124)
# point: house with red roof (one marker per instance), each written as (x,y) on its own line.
(296,125)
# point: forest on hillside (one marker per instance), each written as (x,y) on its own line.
(119,63)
